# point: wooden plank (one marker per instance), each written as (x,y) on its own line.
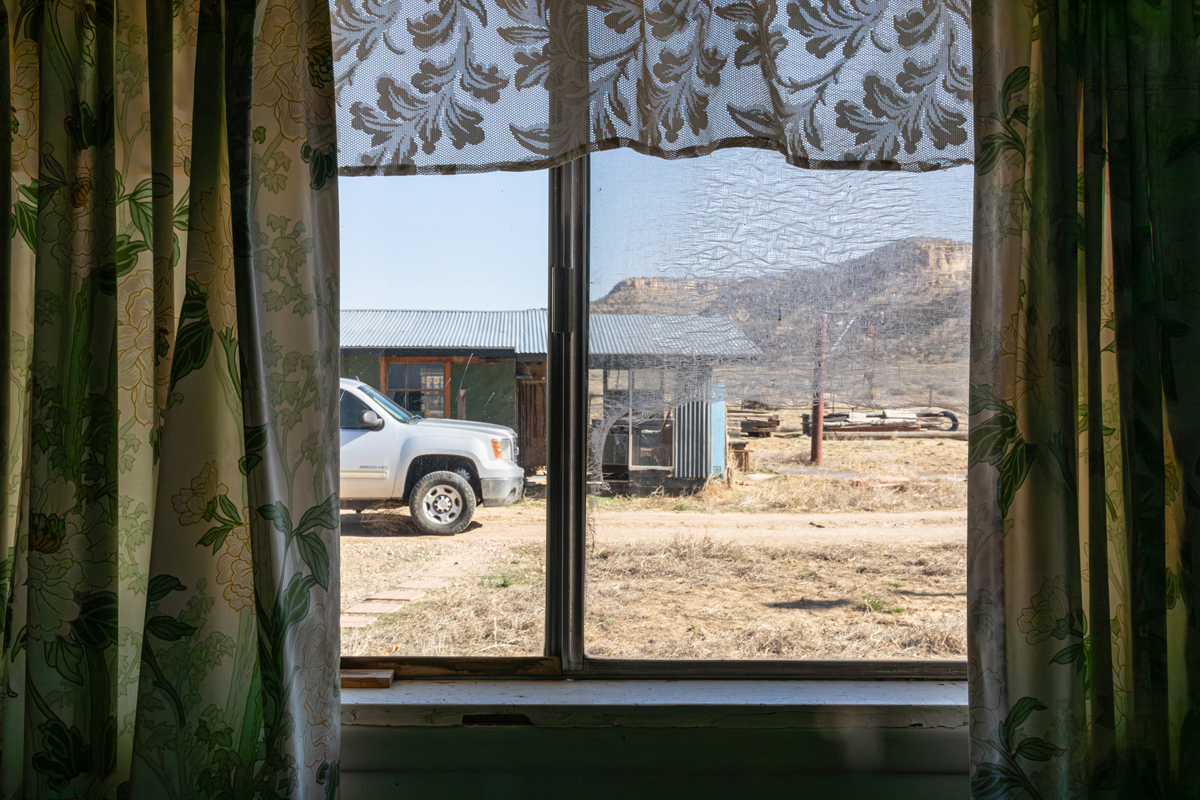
(367,678)
(531,423)
(872,428)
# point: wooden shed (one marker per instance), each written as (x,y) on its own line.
(653,401)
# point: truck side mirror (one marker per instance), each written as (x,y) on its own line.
(370,420)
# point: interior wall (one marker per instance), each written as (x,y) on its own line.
(733,761)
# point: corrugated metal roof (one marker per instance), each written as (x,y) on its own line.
(644,334)
(491,330)
(531,328)
(524,332)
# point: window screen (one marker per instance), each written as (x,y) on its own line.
(728,294)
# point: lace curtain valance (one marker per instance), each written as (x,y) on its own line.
(430,86)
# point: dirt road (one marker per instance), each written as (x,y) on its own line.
(527,522)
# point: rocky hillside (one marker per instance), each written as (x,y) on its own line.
(902,306)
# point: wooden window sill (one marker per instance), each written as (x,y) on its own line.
(660,703)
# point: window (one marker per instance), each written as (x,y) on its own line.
(419,387)
(444,338)
(624,430)
(753,290)
(676,522)
(352,409)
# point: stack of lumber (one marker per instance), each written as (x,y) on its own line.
(754,423)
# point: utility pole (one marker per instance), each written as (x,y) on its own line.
(818,412)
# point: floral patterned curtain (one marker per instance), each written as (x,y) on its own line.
(1084,549)
(168,515)
(477,85)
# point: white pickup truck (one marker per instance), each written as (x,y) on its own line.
(440,467)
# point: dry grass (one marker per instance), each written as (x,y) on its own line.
(696,598)
(884,458)
(375,565)
(498,609)
(805,493)
(857,475)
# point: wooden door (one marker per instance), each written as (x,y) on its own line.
(531,422)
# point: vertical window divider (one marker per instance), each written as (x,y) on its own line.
(566,387)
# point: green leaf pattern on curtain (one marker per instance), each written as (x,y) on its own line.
(1084,519)
(168,553)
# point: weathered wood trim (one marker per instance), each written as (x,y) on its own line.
(661,704)
(458,667)
(637,669)
(932,670)
(367,678)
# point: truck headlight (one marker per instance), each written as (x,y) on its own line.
(503,449)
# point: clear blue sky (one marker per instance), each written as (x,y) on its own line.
(478,242)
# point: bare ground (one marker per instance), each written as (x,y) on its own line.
(675,585)
(814,566)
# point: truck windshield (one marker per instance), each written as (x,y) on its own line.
(388,406)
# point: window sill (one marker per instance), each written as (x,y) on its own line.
(658,703)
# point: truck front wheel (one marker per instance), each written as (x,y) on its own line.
(442,503)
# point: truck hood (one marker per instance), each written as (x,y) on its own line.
(466,427)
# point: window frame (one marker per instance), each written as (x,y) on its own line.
(567,410)
(384,361)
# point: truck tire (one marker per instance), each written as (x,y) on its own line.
(442,503)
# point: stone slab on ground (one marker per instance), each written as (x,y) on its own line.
(407,595)
(373,608)
(357,622)
(445,572)
(424,583)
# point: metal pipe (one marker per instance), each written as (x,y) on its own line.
(818,412)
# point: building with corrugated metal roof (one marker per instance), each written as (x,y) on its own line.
(652,404)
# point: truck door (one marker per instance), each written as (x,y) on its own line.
(368,457)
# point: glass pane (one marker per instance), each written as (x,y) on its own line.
(433,376)
(653,442)
(608,422)
(436,273)
(728,294)
(395,376)
(351,411)
(433,403)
